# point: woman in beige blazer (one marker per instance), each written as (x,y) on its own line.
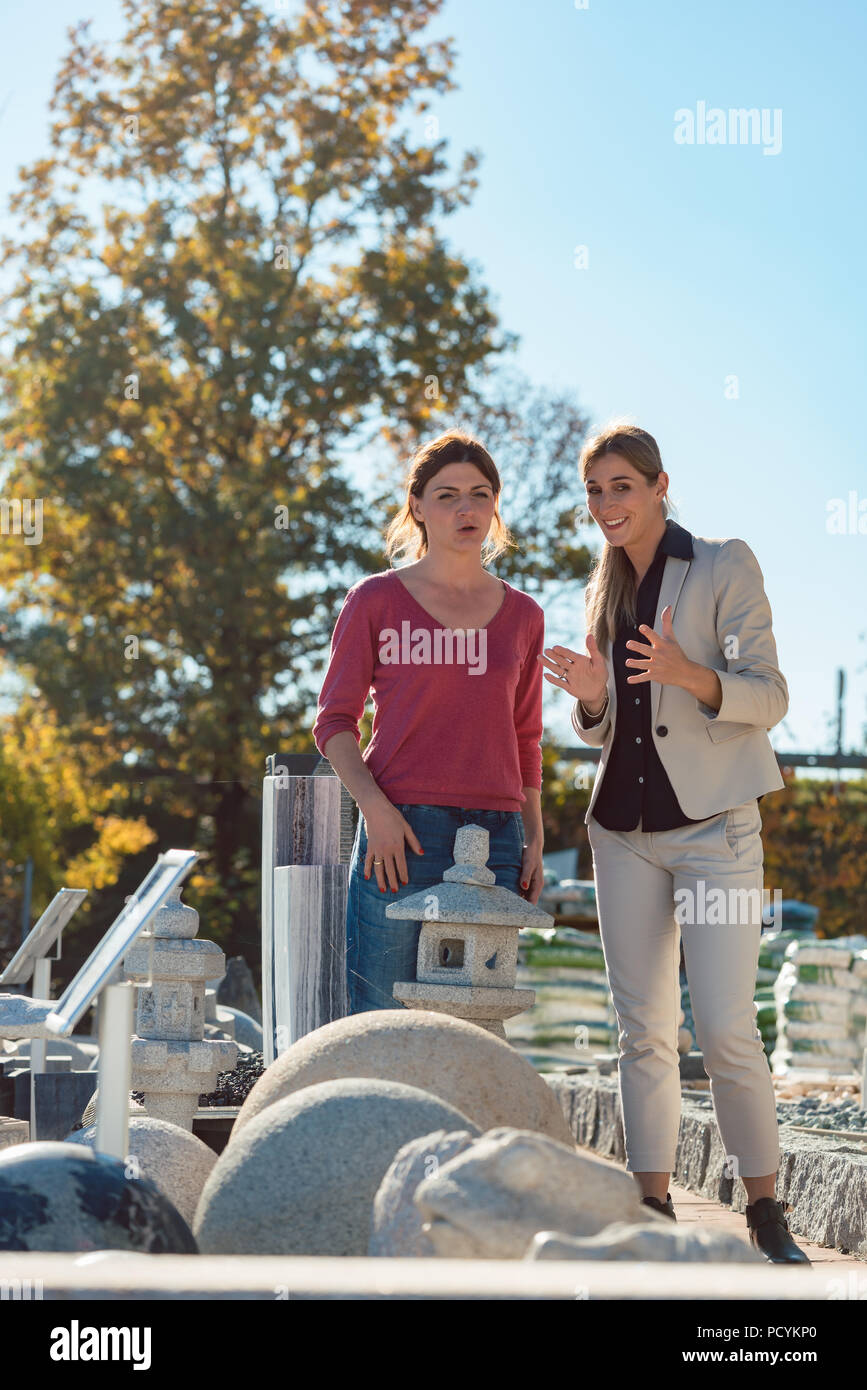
(679,688)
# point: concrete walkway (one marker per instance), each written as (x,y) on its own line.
(689,1206)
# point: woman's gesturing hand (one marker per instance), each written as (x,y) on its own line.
(386,832)
(664,660)
(585,677)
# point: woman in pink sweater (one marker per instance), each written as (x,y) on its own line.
(449,655)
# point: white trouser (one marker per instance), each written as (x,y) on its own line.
(646,884)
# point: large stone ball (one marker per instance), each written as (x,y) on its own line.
(247,1030)
(469,1068)
(301,1178)
(58,1196)
(88,1116)
(175,1161)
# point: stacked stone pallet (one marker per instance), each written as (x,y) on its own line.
(821,1003)
(772,954)
(573,1016)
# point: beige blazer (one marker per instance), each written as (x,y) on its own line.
(714,760)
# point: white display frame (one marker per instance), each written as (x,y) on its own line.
(43,936)
(170,869)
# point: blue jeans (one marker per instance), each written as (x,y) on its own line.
(380,951)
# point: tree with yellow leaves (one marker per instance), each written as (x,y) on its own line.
(264,286)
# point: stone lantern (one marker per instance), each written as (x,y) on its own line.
(468,946)
(172,1060)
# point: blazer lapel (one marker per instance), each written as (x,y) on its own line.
(673,575)
(669,591)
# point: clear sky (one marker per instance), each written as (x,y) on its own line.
(722,305)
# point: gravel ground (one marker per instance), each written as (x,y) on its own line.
(233,1087)
(813,1112)
(823,1114)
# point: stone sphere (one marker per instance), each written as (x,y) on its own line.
(247,1030)
(175,1161)
(58,1196)
(301,1178)
(467,1067)
(88,1115)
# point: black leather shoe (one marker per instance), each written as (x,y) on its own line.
(769,1232)
(666,1207)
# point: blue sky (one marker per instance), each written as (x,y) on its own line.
(705,262)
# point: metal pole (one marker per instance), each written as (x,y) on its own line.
(28,893)
(115,1069)
(38,1046)
(841,691)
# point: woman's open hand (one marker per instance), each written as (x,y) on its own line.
(585,677)
(387,830)
(661,658)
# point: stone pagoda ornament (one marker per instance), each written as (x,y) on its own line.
(468,947)
(172,1060)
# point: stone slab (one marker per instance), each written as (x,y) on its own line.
(60,1099)
(306,955)
(307,821)
(13,1131)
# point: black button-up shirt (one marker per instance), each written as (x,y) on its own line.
(635,783)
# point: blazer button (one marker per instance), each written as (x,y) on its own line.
(662,730)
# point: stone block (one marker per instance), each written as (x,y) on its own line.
(490,1201)
(397,1222)
(624,1240)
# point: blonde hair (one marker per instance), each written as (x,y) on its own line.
(611,585)
(406,535)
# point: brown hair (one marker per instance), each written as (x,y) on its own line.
(407,535)
(610,593)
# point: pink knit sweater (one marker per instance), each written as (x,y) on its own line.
(457,717)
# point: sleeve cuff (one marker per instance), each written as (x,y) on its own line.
(327,731)
(587,720)
(721,713)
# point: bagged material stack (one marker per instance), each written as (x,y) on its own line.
(573,1016)
(821,1005)
(772,952)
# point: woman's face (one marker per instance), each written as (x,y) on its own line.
(457,508)
(622,501)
